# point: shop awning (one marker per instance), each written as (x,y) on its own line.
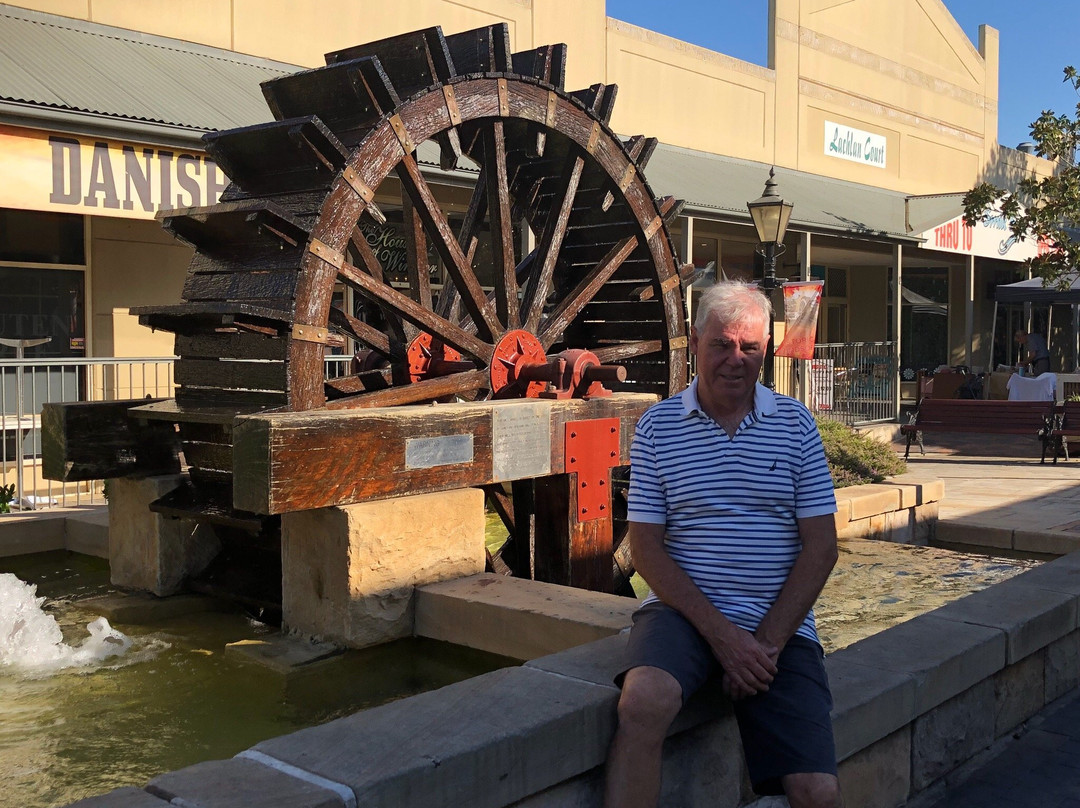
(1033,291)
(714,185)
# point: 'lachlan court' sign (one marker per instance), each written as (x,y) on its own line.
(856,145)
(65,173)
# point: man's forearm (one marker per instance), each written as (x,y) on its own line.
(673,586)
(804,583)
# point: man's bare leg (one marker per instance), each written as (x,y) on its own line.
(650,700)
(819,790)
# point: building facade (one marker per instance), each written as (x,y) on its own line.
(876,115)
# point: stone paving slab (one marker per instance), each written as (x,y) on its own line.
(1041,769)
(869,703)
(1031,617)
(945,657)
(464,744)
(517,618)
(240,783)
(122,798)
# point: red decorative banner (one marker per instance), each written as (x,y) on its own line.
(802,299)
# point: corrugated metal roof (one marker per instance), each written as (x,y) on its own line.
(57,63)
(926,212)
(723,185)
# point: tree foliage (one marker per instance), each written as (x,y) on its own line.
(1043,208)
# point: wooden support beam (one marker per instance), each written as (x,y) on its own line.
(102,439)
(569,551)
(281,463)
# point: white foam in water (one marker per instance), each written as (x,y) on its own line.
(31,640)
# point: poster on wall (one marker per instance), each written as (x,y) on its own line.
(821,384)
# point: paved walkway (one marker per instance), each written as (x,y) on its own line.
(1040,768)
(997,489)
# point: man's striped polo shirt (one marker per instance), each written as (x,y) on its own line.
(730,505)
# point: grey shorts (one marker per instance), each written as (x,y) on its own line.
(785,730)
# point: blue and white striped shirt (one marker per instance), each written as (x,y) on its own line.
(729,505)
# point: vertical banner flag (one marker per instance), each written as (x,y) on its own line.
(802,299)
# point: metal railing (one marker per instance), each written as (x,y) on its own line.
(28,384)
(852,382)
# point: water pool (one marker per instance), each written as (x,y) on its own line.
(176,698)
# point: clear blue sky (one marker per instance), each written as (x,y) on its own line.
(1038,39)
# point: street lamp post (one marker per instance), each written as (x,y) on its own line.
(771,215)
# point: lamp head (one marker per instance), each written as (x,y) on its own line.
(770,213)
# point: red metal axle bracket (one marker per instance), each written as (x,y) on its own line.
(591,450)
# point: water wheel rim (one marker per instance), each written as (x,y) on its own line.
(487,102)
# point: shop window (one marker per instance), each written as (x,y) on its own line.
(924,320)
(388,243)
(42,303)
(31,237)
(706,251)
(738,260)
(836,321)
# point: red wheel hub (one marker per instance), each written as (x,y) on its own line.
(428,357)
(514,352)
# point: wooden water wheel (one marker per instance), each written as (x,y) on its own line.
(265,298)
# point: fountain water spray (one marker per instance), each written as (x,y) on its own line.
(31,640)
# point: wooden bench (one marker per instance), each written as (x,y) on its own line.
(1066,425)
(988,417)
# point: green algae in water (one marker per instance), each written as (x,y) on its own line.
(176,698)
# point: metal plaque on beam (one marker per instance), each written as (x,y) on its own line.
(520,440)
(447,450)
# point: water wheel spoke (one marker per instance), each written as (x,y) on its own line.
(456,384)
(416,255)
(370,262)
(449,303)
(457,265)
(409,309)
(360,331)
(571,305)
(364,382)
(474,214)
(502,226)
(502,504)
(547,251)
(610,354)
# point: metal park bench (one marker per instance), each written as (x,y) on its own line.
(1066,425)
(988,417)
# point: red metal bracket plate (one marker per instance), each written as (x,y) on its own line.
(591,449)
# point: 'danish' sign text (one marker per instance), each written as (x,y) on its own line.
(854,144)
(70,174)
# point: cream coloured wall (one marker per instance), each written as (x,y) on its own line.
(901,69)
(140,264)
(904,70)
(689,96)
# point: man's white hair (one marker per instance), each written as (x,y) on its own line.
(732,301)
